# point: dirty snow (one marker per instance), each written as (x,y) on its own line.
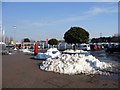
(15,49)
(77,51)
(51,53)
(26,51)
(75,64)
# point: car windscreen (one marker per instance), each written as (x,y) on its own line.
(84,46)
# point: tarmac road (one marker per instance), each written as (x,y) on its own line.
(21,71)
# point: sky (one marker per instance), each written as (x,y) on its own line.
(42,20)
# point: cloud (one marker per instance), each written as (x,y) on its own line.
(70,19)
(98,10)
(63,20)
(88,14)
(92,12)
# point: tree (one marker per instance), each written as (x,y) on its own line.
(6,40)
(53,42)
(76,35)
(11,39)
(26,40)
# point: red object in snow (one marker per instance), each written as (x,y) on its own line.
(36,48)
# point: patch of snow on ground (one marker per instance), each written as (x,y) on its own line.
(10,53)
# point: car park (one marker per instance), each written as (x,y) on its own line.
(113,49)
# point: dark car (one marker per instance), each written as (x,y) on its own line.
(12,46)
(113,49)
(93,47)
(106,45)
(98,47)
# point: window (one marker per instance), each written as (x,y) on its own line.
(84,46)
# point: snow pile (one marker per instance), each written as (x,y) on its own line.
(75,64)
(26,50)
(15,49)
(77,51)
(51,53)
(42,56)
(10,53)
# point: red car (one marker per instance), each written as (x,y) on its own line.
(93,47)
(98,46)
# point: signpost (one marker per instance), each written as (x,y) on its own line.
(14,35)
(47,42)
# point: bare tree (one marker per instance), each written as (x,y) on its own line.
(6,40)
(11,39)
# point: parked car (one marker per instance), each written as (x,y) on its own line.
(10,46)
(84,46)
(3,49)
(113,49)
(93,47)
(98,47)
(101,46)
(105,45)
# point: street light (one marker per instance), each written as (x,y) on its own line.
(14,34)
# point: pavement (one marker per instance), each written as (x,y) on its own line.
(21,71)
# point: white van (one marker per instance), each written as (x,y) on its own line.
(84,46)
(3,48)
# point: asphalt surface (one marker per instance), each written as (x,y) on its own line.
(21,71)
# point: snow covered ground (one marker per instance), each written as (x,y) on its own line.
(75,64)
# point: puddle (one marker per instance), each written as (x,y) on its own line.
(114,59)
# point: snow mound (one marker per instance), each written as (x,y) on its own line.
(26,50)
(77,51)
(75,64)
(51,53)
(15,49)
(10,53)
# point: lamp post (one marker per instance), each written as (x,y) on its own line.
(14,34)
(0,33)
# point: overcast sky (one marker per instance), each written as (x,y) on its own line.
(41,20)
